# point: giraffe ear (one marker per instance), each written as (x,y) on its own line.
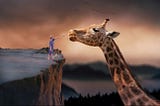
(113,34)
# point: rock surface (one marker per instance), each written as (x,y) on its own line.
(50,87)
(43,50)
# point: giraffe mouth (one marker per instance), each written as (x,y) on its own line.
(72,37)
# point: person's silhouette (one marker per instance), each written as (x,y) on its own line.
(51,48)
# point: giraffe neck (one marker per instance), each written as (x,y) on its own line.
(129,90)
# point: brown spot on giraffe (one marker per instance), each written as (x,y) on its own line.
(140,102)
(128,93)
(111,62)
(144,99)
(116,61)
(126,78)
(133,103)
(110,54)
(108,49)
(124,97)
(135,90)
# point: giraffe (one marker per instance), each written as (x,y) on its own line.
(129,89)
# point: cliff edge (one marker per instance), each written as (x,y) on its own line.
(43,89)
(50,87)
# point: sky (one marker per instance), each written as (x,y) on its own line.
(28,24)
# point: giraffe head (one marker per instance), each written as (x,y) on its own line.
(92,36)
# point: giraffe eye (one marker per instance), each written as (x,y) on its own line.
(95,30)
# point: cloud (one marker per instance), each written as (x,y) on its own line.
(28,23)
(34,12)
(27,18)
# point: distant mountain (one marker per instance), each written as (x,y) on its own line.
(99,66)
(83,72)
(156,77)
(145,71)
(99,71)
(141,69)
(43,50)
(67,91)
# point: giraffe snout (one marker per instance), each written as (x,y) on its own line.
(72,35)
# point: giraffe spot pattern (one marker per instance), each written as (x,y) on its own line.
(128,93)
(135,90)
(124,97)
(99,36)
(115,54)
(122,66)
(107,42)
(145,99)
(118,76)
(133,103)
(100,44)
(87,40)
(110,54)
(104,45)
(123,86)
(140,102)
(101,39)
(116,61)
(111,62)
(108,49)
(118,71)
(126,78)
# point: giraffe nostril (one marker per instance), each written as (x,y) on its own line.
(72,38)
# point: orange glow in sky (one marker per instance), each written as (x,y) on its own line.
(23,26)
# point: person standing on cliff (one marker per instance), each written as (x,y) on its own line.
(51,47)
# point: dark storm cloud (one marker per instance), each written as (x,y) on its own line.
(36,11)
(40,11)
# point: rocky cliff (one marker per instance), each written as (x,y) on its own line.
(50,87)
(43,89)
